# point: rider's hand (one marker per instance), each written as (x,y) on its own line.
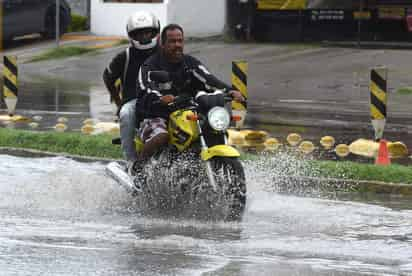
(237,96)
(166,99)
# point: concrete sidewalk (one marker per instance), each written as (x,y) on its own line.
(389,45)
(30,46)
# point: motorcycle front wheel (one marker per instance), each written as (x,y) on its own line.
(230,178)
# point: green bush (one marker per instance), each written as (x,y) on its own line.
(78,23)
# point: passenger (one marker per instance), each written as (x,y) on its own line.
(143,30)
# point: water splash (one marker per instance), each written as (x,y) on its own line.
(177,186)
(58,186)
(290,172)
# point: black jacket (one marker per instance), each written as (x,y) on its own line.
(188,77)
(130,61)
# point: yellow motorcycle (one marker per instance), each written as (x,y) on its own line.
(198,166)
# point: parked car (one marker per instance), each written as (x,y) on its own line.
(22,17)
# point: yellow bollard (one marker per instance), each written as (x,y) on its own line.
(271,144)
(87,129)
(60,127)
(342,150)
(306,147)
(293,139)
(327,142)
(37,118)
(378,93)
(34,125)
(62,120)
(10,83)
(239,82)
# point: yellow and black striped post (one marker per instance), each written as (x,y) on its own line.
(379,99)
(10,83)
(239,82)
(1,26)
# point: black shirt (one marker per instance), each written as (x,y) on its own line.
(188,76)
(116,68)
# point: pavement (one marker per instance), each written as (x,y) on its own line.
(30,46)
(402,45)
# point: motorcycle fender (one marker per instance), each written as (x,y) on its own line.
(219,150)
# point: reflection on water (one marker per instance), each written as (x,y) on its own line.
(53,98)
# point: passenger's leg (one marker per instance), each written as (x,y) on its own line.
(153,145)
(155,136)
(127,130)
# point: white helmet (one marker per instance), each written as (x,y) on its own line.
(143,21)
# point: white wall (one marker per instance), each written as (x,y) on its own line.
(199,18)
(111,18)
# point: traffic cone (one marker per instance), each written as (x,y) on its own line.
(383,154)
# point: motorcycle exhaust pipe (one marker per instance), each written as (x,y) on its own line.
(209,172)
(118,174)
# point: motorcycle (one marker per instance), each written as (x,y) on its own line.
(198,166)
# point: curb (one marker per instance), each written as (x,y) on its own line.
(38,153)
(369,45)
(306,185)
(284,184)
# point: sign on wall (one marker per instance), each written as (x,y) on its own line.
(391,13)
(323,15)
(281,4)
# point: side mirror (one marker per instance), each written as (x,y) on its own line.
(159,76)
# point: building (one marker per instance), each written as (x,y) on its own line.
(198,18)
(292,20)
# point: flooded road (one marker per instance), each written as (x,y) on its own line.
(62,217)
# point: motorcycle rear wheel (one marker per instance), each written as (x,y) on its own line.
(230,178)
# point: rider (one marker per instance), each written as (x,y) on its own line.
(143,30)
(184,70)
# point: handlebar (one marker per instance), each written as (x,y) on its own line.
(188,101)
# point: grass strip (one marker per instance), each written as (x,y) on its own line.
(70,142)
(405,90)
(357,171)
(62,52)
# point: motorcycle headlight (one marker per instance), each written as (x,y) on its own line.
(219,118)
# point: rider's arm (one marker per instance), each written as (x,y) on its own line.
(150,99)
(144,85)
(206,78)
(211,82)
(111,74)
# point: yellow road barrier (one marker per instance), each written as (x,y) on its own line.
(239,82)
(10,83)
(342,150)
(327,142)
(378,94)
(293,139)
(306,147)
